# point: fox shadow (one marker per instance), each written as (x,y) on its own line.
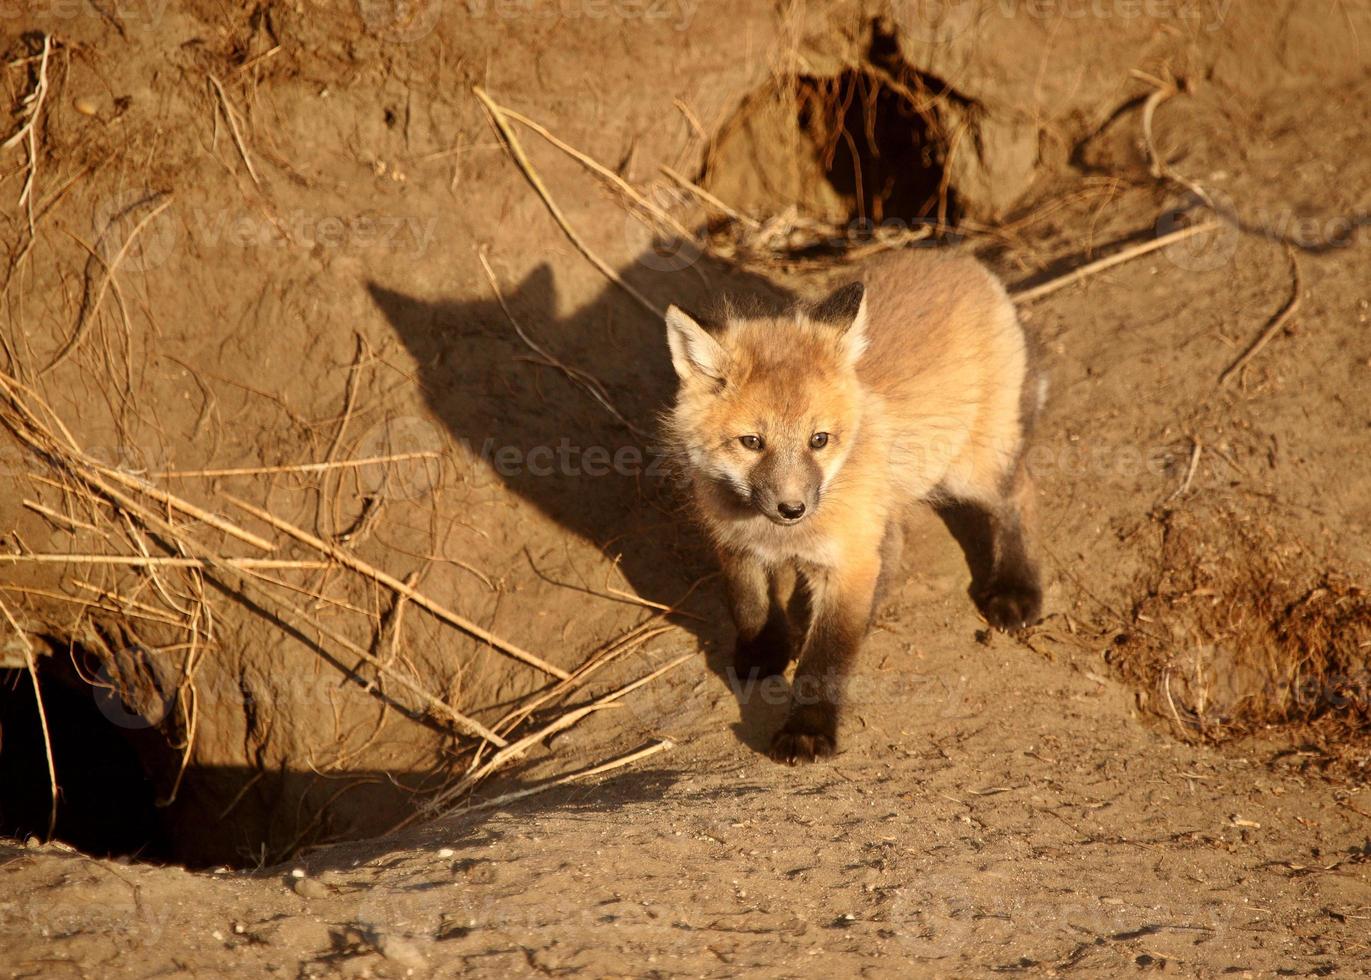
(601,471)
(608,480)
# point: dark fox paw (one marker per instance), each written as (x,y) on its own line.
(1012,606)
(809,734)
(793,747)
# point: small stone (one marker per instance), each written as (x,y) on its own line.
(446,852)
(400,950)
(85,105)
(309,888)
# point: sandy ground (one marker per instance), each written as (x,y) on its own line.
(1006,814)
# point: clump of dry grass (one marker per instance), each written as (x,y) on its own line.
(134,519)
(1242,628)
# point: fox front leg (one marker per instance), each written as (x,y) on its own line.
(757,598)
(843,600)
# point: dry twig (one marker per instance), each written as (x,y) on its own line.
(30,110)
(623,760)
(296,467)
(159,561)
(1276,325)
(231,115)
(1023,296)
(586,380)
(398,587)
(515,749)
(91,309)
(516,150)
(709,199)
(1162,90)
(600,170)
(1195,450)
(607,654)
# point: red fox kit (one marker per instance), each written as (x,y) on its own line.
(805,436)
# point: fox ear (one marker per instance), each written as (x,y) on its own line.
(694,353)
(845,309)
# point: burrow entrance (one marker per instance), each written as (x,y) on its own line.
(107,804)
(123,791)
(864,151)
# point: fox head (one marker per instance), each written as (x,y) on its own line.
(768,409)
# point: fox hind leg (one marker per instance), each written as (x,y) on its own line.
(1012,597)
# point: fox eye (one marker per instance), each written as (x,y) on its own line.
(818,440)
(754,443)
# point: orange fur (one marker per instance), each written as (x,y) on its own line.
(933,405)
(915,383)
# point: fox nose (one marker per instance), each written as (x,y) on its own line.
(790,511)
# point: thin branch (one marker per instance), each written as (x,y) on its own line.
(185,506)
(48,512)
(600,170)
(1195,449)
(587,381)
(712,201)
(30,109)
(623,760)
(90,311)
(515,749)
(158,561)
(297,467)
(1277,323)
(233,128)
(1023,296)
(398,587)
(516,150)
